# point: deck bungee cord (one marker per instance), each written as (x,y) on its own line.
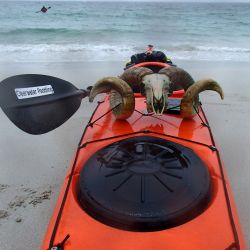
(235,244)
(51,243)
(212,147)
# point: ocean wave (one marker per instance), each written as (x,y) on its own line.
(36,31)
(225,49)
(40,48)
(85,30)
(106,52)
(111,48)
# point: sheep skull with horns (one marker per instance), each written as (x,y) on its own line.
(156,87)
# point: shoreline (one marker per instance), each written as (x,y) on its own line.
(33,167)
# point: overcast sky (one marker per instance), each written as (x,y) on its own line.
(237,1)
(197,1)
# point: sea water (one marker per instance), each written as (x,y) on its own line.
(113,31)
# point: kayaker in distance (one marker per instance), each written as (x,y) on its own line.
(44,9)
(150,49)
(150,55)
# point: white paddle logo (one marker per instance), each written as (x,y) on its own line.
(24,93)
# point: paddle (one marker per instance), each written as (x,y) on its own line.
(38,103)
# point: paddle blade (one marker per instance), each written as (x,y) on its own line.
(38,103)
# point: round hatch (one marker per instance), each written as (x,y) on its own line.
(144,184)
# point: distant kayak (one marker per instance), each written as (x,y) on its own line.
(44,9)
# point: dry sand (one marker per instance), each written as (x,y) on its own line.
(33,167)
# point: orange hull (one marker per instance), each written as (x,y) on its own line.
(215,228)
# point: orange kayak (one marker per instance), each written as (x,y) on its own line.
(150,182)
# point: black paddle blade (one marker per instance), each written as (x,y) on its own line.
(38,103)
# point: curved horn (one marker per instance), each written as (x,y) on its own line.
(133,76)
(121,93)
(178,77)
(190,101)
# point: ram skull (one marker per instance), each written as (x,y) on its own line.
(156,87)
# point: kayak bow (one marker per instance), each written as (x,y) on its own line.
(147,182)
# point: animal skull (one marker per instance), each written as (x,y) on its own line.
(156,87)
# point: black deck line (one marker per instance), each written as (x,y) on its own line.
(229,208)
(51,243)
(110,110)
(212,147)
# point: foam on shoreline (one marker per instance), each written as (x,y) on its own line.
(70,52)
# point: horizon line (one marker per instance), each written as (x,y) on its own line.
(148,1)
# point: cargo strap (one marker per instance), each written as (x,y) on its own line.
(60,246)
(235,245)
(90,124)
(58,218)
(202,121)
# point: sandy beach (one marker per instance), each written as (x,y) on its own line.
(32,168)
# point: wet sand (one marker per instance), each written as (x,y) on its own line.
(33,167)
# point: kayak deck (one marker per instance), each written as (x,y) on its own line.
(215,228)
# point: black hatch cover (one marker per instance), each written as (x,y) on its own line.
(144,184)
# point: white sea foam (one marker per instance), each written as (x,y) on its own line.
(106,52)
(223,49)
(39,48)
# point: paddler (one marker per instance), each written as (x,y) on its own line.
(150,55)
(150,49)
(156,56)
(43,9)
